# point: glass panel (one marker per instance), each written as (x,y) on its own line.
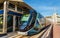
(11,6)
(19,9)
(10,23)
(1,21)
(1,6)
(16,24)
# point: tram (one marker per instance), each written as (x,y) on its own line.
(31,23)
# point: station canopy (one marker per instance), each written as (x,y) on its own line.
(21,2)
(11,0)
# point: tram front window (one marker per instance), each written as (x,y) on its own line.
(24,21)
(1,23)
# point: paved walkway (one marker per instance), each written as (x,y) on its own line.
(56,31)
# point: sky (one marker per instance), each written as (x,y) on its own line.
(45,7)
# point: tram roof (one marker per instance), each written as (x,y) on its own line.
(20,2)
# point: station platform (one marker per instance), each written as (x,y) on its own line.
(56,31)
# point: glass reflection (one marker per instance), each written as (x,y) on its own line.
(24,21)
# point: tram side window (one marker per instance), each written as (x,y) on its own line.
(1,23)
(19,9)
(1,6)
(11,6)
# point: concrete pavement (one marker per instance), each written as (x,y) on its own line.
(56,31)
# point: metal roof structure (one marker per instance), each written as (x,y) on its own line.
(20,2)
(1,1)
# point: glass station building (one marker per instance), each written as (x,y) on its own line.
(10,14)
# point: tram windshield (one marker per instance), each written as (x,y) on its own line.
(1,22)
(24,21)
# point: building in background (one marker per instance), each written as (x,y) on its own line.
(55,18)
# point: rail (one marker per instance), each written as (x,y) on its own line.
(48,33)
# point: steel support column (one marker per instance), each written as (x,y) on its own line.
(14,23)
(5,17)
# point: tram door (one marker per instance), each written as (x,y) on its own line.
(9,23)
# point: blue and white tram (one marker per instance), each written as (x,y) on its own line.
(30,23)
